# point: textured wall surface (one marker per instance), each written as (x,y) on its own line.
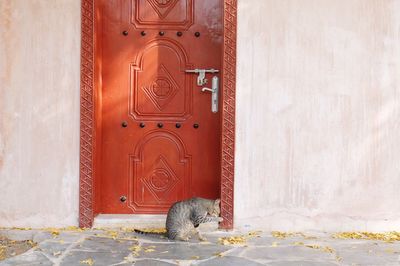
(318,105)
(39,112)
(318,128)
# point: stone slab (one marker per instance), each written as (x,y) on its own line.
(28,259)
(77,257)
(182,251)
(229,261)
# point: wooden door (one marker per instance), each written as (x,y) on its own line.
(160,142)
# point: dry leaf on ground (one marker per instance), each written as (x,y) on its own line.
(89,261)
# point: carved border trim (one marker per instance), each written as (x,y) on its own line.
(228,113)
(87,130)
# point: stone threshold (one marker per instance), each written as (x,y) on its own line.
(140,221)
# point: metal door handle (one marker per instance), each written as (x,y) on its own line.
(214,94)
(201,79)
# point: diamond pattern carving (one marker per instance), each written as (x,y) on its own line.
(161,179)
(163,7)
(163,3)
(162,90)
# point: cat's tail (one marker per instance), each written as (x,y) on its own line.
(152,232)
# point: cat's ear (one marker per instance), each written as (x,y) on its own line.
(217,201)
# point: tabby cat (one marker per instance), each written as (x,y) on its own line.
(185,216)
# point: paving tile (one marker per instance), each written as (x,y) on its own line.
(128,235)
(42,236)
(229,261)
(287,252)
(69,237)
(52,249)
(266,241)
(360,256)
(18,235)
(181,251)
(93,232)
(151,238)
(99,258)
(236,251)
(302,263)
(367,252)
(101,244)
(27,259)
(214,236)
(147,262)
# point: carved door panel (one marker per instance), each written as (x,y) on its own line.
(160,142)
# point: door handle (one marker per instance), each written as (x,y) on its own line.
(201,79)
(214,94)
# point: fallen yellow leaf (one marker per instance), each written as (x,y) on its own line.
(313,246)
(281,235)
(135,248)
(112,234)
(387,236)
(232,240)
(254,233)
(328,249)
(89,261)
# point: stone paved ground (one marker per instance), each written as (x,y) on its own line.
(122,247)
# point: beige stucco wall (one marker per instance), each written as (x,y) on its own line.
(318,114)
(39,112)
(318,103)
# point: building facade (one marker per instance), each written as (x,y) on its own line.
(317,106)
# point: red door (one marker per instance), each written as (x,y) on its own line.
(160,141)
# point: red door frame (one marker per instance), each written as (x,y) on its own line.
(89,128)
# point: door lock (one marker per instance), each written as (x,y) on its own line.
(201,79)
(214,94)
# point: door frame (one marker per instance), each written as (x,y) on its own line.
(89,114)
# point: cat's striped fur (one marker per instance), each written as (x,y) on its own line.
(185,216)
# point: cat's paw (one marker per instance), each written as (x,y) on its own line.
(203,239)
(220,219)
